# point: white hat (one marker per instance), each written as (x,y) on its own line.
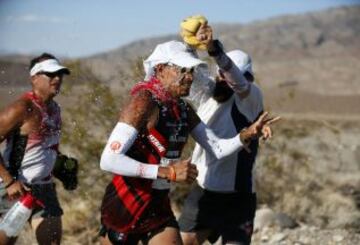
(49,65)
(242,60)
(174,52)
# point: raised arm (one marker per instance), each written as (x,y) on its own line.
(233,76)
(203,38)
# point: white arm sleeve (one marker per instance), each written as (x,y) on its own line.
(210,142)
(233,75)
(114,160)
(236,80)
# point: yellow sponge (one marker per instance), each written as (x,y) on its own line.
(189,27)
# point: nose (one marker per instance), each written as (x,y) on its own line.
(58,77)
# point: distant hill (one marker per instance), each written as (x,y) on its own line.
(313,56)
(14,70)
(311,50)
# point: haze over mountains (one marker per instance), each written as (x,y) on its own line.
(309,61)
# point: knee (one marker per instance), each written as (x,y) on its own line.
(189,238)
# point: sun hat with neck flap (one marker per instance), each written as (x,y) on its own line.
(173,52)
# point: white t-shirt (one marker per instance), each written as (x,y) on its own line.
(220,175)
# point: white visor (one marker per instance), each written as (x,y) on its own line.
(50,65)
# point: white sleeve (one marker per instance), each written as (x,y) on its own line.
(236,80)
(114,160)
(233,75)
(220,148)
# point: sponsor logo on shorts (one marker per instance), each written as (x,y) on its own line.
(115,146)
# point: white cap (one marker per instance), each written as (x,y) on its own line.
(174,52)
(49,65)
(242,60)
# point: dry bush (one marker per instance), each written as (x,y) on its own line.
(291,177)
(90,112)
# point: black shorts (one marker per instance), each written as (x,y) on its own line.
(148,225)
(230,215)
(118,238)
(46,193)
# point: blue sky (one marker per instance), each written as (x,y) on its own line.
(77,28)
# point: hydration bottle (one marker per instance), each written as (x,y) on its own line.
(18,214)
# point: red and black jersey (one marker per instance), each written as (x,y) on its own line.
(126,198)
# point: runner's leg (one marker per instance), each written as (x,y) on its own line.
(169,235)
(47,230)
(195,238)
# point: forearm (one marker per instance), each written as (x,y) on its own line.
(219,147)
(114,160)
(233,75)
(123,165)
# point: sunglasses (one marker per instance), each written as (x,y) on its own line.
(52,75)
(182,70)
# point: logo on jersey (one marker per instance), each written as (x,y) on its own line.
(115,146)
(155,142)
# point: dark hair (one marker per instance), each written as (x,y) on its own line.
(43,56)
(249,76)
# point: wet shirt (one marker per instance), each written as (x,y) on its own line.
(126,198)
(37,151)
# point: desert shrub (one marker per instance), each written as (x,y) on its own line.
(298,179)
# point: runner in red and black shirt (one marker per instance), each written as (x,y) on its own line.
(144,149)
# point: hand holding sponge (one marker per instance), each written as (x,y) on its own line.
(189,28)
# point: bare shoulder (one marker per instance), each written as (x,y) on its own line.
(139,110)
(14,115)
(19,108)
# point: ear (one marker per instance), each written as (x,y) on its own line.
(159,69)
(33,79)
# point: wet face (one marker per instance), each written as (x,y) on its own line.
(48,83)
(177,80)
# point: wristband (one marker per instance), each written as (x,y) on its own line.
(215,48)
(242,139)
(10,184)
(172,174)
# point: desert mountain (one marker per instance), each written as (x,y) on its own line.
(313,57)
